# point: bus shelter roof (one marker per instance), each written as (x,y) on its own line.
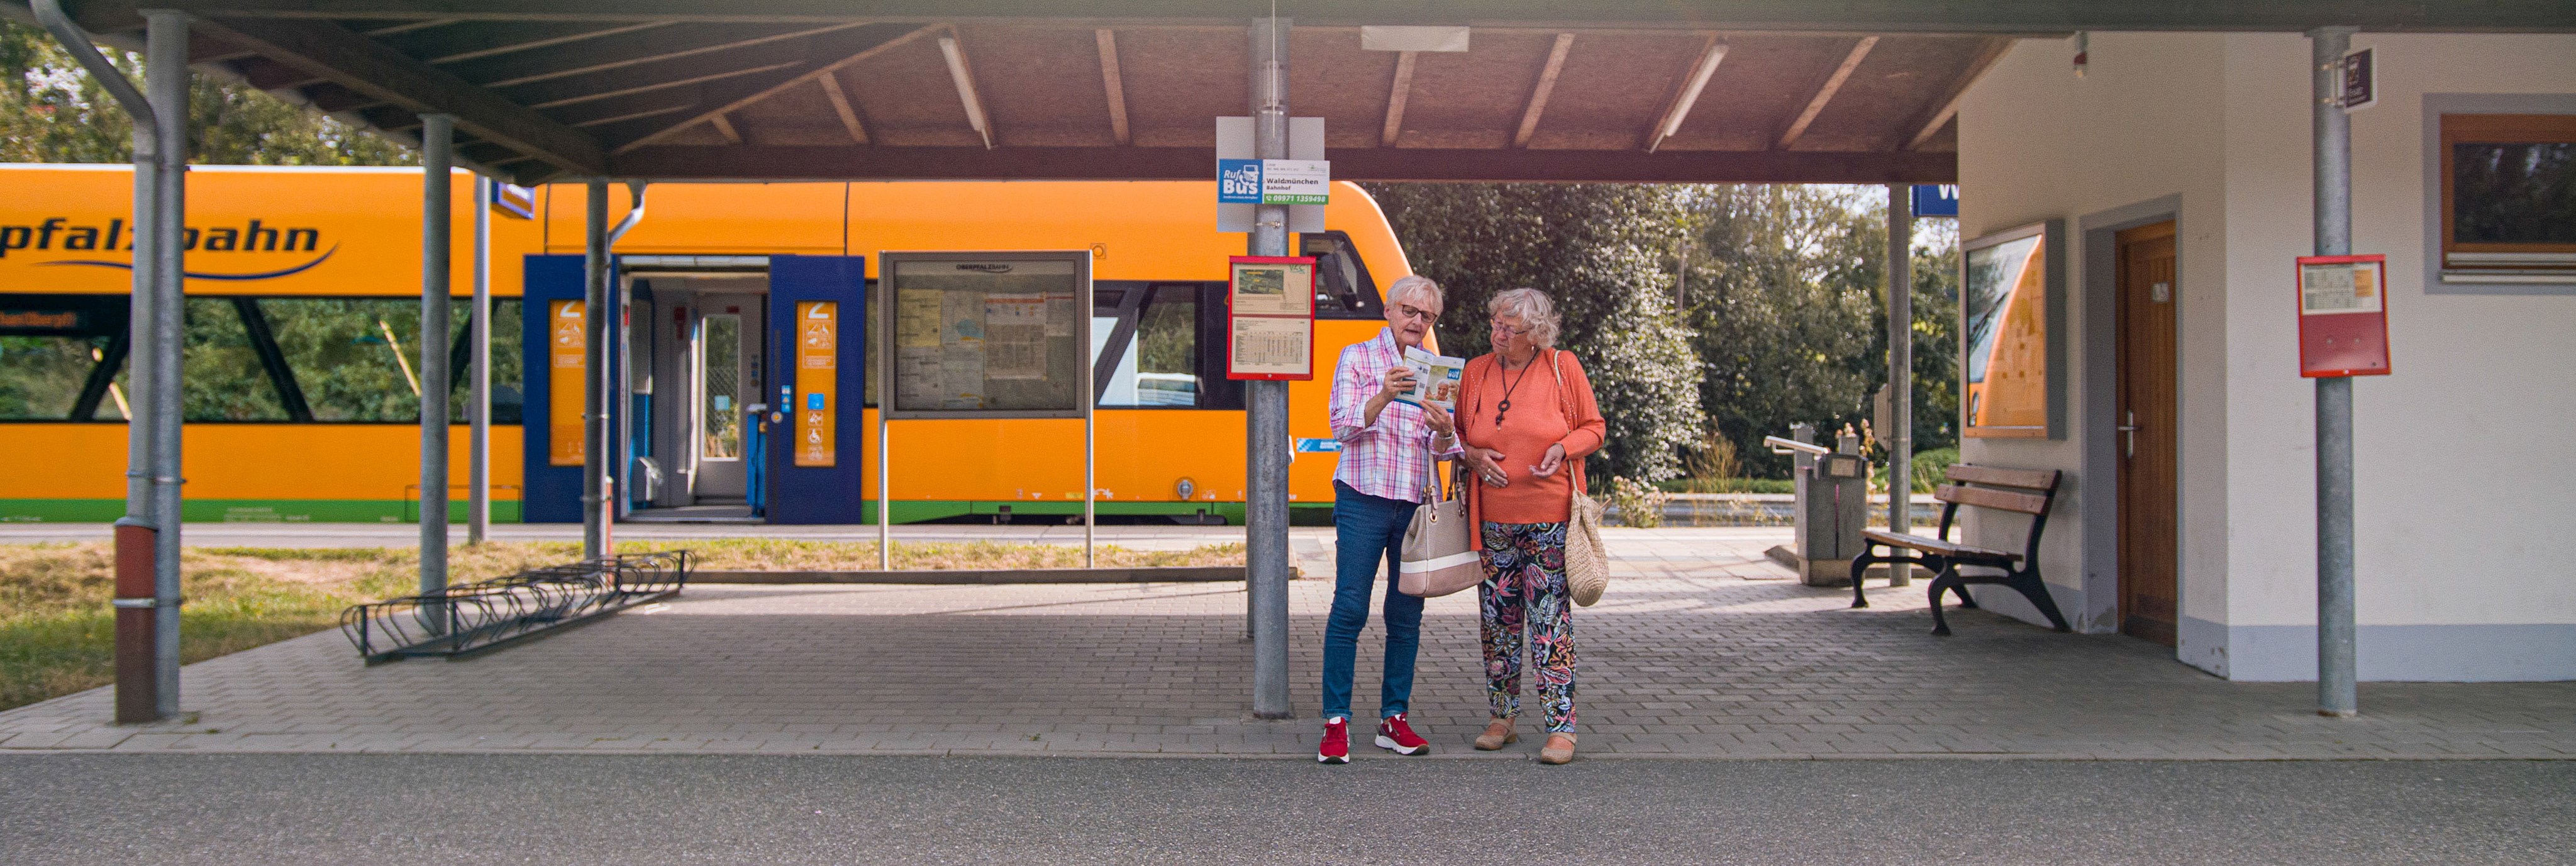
(1691,91)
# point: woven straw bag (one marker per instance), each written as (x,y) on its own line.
(1587,563)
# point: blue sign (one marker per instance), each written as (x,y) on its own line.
(1936,199)
(1319,446)
(1238,181)
(814,401)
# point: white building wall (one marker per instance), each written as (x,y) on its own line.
(2453,582)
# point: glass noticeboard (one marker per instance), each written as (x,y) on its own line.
(986,335)
(2010,350)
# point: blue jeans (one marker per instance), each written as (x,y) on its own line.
(1369,530)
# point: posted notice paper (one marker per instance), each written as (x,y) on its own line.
(1435,379)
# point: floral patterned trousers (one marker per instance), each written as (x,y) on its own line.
(1524,590)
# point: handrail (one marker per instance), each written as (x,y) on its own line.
(1784,446)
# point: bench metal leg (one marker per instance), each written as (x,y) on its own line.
(2035,589)
(1946,581)
(1860,566)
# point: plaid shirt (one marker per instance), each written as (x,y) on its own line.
(1391,458)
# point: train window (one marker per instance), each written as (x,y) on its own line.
(1160,365)
(62,358)
(355,359)
(1343,289)
(222,376)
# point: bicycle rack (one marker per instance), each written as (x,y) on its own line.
(473,618)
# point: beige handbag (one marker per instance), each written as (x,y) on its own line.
(1439,546)
(1587,563)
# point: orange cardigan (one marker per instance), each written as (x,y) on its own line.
(1575,401)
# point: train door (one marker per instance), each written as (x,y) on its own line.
(722,380)
(694,337)
(720,355)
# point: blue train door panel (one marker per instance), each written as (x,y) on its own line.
(818,346)
(550,491)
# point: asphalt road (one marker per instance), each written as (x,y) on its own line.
(423,809)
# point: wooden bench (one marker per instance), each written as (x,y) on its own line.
(2023,491)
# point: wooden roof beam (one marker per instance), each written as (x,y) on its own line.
(360,64)
(1110,81)
(1693,80)
(964,77)
(1987,17)
(634,49)
(1546,86)
(841,105)
(1825,92)
(725,128)
(1396,97)
(823,55)
(882,162)
(481,39)
(1940,111)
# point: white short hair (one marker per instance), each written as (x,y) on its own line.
(1417,283)
(1532,307)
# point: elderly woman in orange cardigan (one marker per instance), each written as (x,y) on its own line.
(1527,419)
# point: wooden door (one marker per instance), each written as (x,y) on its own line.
(2150,546)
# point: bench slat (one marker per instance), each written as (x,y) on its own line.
(2027,479)
(1929,544)
(2006,500)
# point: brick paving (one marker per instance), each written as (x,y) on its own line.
(1703,649)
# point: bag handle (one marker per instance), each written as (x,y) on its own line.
(1565,404)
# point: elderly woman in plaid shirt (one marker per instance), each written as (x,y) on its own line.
(1388,448)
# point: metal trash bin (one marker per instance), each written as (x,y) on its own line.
(1832,506)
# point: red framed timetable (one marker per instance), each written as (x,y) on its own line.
(1270,318)
(2343,316)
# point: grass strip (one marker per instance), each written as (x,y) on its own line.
(57,632)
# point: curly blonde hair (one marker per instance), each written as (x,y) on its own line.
(1533,308)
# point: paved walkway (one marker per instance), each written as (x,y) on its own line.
(1702,649)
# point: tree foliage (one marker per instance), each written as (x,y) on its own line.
(51,110)
(1787,297)
(1781,318)
(1599,250)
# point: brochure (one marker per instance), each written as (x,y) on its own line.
(1435,379)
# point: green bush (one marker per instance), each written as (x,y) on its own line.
(1930,467)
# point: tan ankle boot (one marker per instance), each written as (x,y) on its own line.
(1498,733)
(1560,749)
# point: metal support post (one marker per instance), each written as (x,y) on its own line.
(1090,468)
(137,599)
(437,210)
(594,412)
(2337,695)
(1266,508)
(1900,371)
(885,504)
(478,388)
(165,81)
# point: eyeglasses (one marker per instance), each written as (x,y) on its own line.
(1507,330)
(1413,312)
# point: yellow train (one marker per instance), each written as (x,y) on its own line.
(303,319)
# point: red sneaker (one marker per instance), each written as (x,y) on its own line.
(1395,736)
(1336,748)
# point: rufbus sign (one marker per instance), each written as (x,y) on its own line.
(72,228)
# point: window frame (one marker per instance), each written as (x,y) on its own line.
(2455,128)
